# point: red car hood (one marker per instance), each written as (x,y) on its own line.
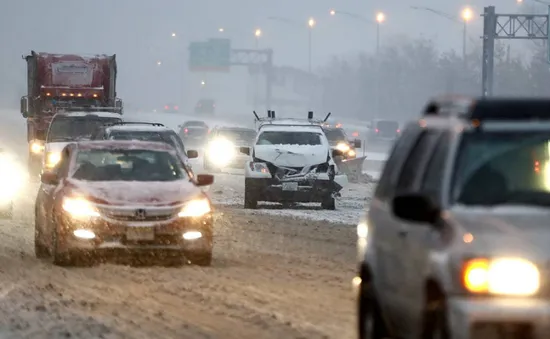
(134,192)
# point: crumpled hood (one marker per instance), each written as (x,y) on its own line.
(506,230)
(292,155)
(56,147)
(135,192)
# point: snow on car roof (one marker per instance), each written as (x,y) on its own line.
(138,128)
(85,114)
(292,128)
(125,144)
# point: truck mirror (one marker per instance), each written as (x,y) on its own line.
(25,106)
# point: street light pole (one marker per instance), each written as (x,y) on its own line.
(467,15)
(464,35)
(311,24)
(257,36)
(380,18)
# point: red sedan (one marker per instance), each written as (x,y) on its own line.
(130,196)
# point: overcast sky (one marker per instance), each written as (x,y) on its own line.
(139,32)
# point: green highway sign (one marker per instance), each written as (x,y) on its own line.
(213,55)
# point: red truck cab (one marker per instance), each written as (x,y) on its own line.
(57,82)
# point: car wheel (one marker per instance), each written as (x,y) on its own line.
(59,259)
(370,320)
(250,198)
(41,251)
(67,258)
(328,203)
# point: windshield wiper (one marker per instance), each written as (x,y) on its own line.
(284,151)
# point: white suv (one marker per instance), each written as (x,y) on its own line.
(455,244)
(292,163)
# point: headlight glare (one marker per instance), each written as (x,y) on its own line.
(79,208)
(52,158)
(37,147)
(195,208)
(221,152)
(501,276)
(343,147)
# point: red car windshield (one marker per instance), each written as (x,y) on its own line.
(127,165)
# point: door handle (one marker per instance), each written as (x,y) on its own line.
(403,232)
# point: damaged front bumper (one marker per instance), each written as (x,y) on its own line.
(299,191)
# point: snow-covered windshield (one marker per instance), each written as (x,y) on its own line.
(64,129)
(127,165)
(289,138)
(238,135)
(503,168)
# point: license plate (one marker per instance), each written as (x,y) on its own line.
(290,186)
(140,233)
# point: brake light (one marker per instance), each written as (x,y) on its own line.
(537,167)
(355,134)
(185,130)
(176,107)
(166,107)
(398,130)
(377,130)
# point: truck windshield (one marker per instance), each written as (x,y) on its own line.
(68,128)
(289,138)
(496,168)
(335,135)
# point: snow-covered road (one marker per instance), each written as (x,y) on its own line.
(276,274)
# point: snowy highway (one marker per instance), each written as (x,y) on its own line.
(277,273)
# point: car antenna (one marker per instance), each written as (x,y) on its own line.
(256,115)
(328,115)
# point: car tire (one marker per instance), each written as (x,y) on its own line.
(59,259)
(250,198)
(370,321)
(41,251)
(329,203)
(68,258)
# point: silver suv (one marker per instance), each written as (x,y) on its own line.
(456,243)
